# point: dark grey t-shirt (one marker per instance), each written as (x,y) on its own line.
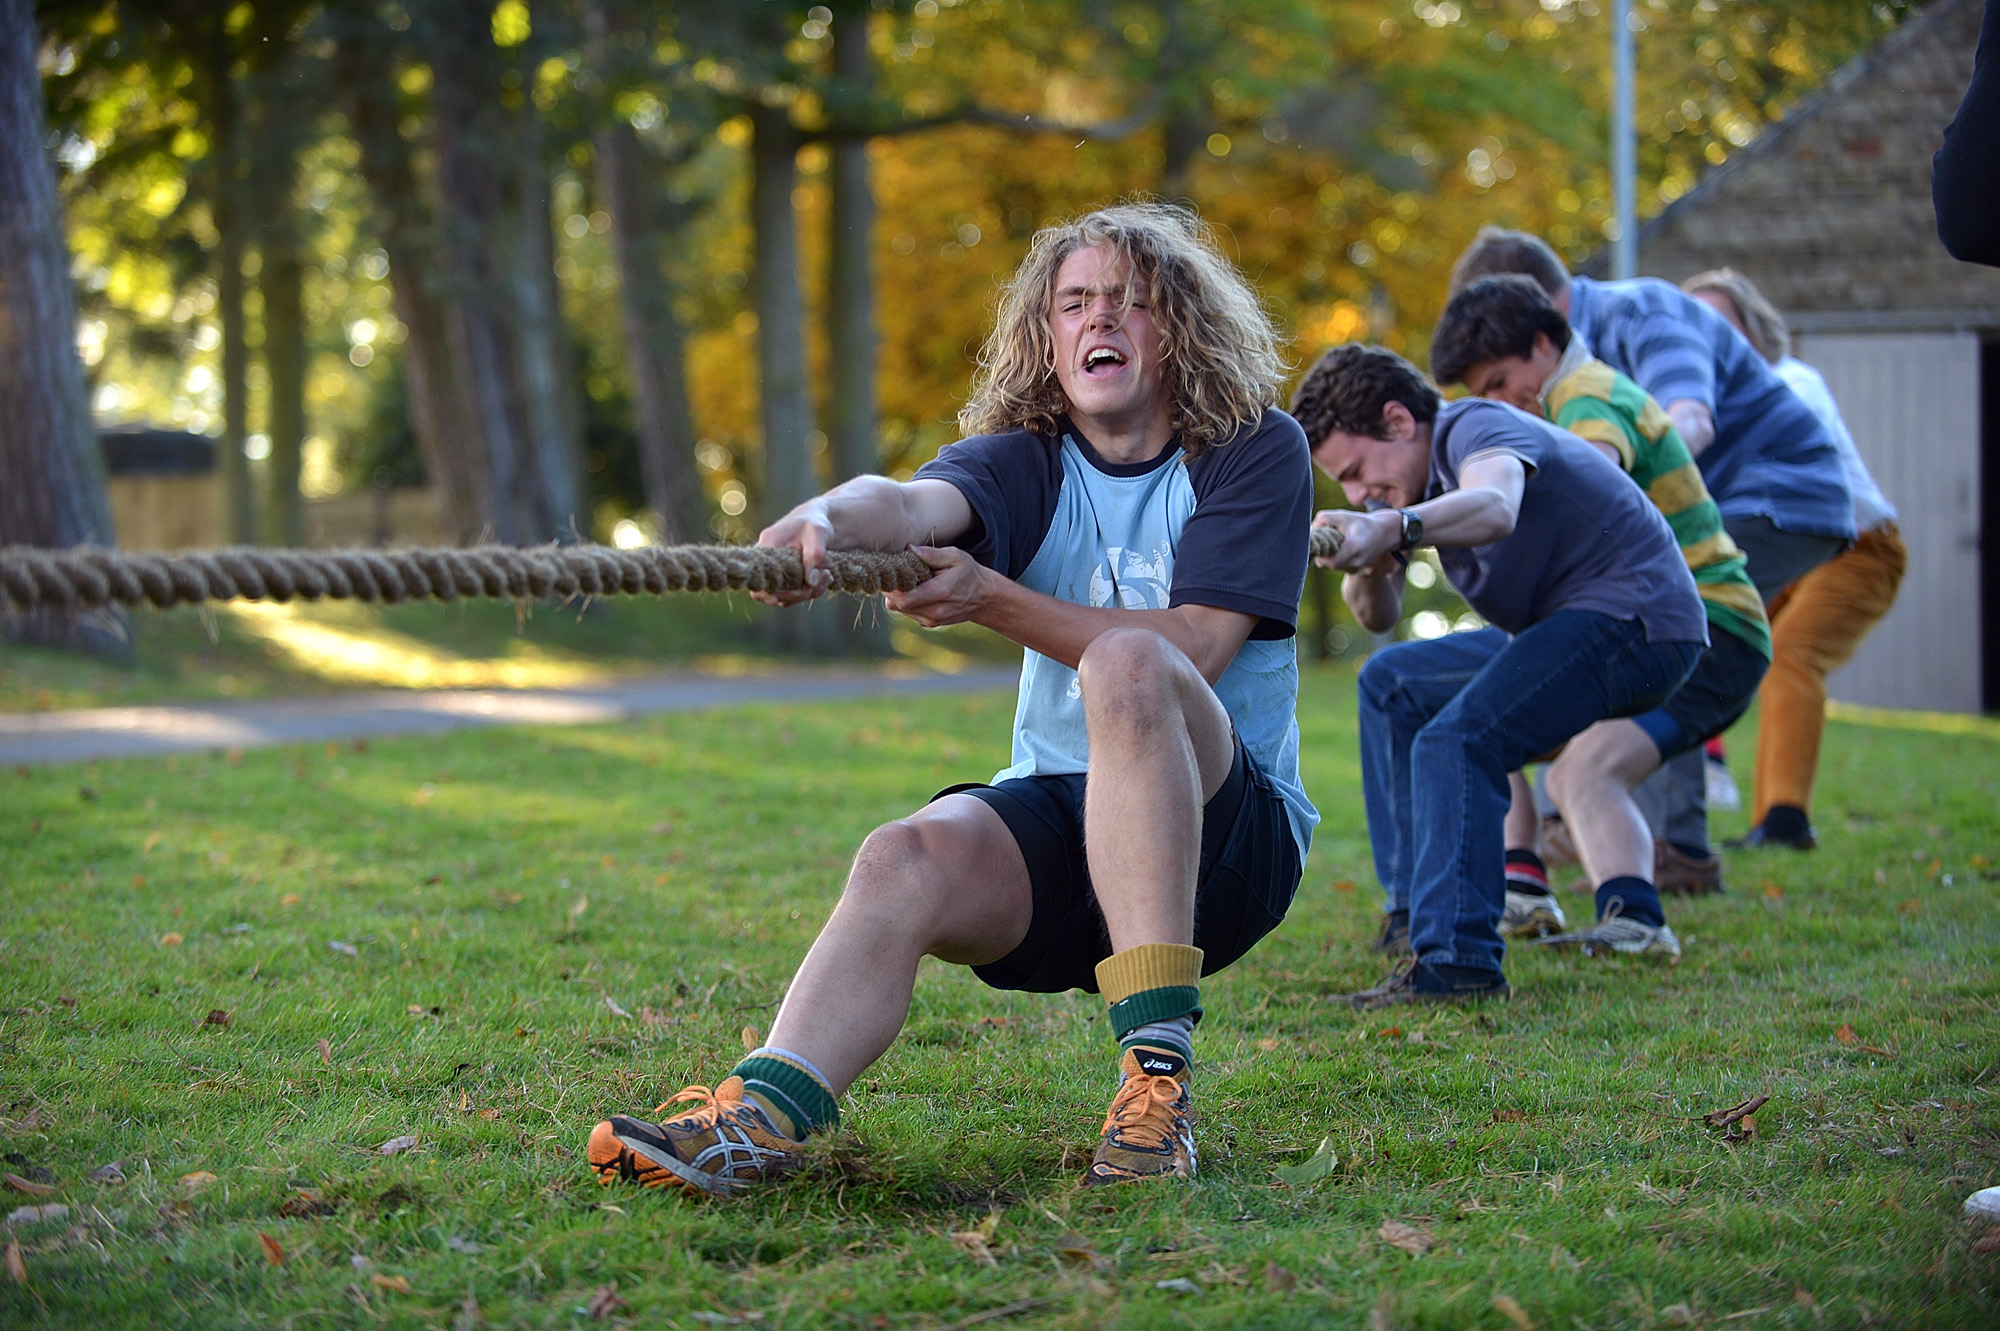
(1587,538)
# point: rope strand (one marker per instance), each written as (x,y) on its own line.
(90,577)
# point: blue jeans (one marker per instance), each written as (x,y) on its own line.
(1442,724)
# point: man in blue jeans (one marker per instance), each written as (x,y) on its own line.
(1593,614)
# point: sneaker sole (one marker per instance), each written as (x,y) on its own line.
(1538,925)
(621,1158)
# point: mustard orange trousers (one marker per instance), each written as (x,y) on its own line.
(1816,623)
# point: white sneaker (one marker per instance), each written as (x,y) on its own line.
(1626,937)
(1530,915)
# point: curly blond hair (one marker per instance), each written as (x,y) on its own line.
(1220,348)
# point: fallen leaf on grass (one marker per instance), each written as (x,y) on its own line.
(1311,1170)
(605,1302)
(397,1145)
(16,1266)
(1508,1116)
(171,940)
(113,1173)
(661,829)
(1268,1045)
(1772,892)
(1278,1280)
(290,899)
(576,910)
(1678,1314)
(21,1185)
(750,1038)
(216,1017)
(198,1180)
(326,1052)
(35,1215)
(611,1006)
(396,1283)
(344,948)
(1511,1309)
(1389,1032)
(1409,1238)
(1722,1118)
(1075,1250)
(305,1205)
(274,1252)
(997,1022)
(1343,885)
(1989,1242)
(1845,1034)
(973,1244)
(1178,1285)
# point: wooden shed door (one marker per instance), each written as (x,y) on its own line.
(1912,401)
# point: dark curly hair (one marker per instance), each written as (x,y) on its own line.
(1493,318)
(1348,388)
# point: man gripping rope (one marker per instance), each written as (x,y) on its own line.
(1130,508)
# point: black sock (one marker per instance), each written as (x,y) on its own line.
(1635,898)
(1526,873)
(1786,822)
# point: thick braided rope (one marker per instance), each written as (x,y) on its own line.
(88,577)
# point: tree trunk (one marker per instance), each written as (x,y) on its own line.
(285,366)
(453,453)
(238,508)
(850,297)
(781,353)
(655,344)
(53,490)
(549,389)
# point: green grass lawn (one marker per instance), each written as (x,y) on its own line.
(487,942)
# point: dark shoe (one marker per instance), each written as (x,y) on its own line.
(1557,848)
(1394,938)
(1679,874)
(1413,982)
(721,1146)
(1761,837)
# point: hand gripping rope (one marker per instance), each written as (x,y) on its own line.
(90,577)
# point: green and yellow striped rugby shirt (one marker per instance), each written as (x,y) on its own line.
(1605,407)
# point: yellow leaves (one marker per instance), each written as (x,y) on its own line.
(163,197)
(274,1252)
(196,1181)
(170,940)
(394,1284)
(751,1039)
(735,133)
(511,26)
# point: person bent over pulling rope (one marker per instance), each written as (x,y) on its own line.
(1592,614)
(1130,509)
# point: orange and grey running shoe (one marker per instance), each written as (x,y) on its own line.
(722,1145)
(1146,1134)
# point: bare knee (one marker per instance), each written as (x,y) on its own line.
(897,876)
(1130,673)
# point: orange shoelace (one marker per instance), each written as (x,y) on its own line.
(709,1109)
(1143,1109)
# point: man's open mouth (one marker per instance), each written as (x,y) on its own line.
(1102,358)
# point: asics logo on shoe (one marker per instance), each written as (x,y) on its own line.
(1160,1066)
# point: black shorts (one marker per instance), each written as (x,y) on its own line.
(1715,695)
(1249,873)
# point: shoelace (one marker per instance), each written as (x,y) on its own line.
(1400,976)
(1134,1110)
(708,1112)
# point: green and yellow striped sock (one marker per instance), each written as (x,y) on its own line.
(790,1091)
(1150,986)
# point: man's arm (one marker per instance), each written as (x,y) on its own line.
(867,513)
(1695,422)
(962,591)
(1965,173)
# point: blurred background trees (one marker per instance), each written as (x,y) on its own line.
(632,270)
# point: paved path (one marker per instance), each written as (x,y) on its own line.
(134,732)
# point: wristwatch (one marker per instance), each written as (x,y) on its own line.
(1413,529)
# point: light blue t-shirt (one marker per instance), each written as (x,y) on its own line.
(1228,529)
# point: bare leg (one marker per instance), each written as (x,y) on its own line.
(1160,747)
(1524,824)
(949,882)
(1592,784)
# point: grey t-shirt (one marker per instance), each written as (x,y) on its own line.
(1587,538)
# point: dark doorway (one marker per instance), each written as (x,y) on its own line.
(1989,523)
